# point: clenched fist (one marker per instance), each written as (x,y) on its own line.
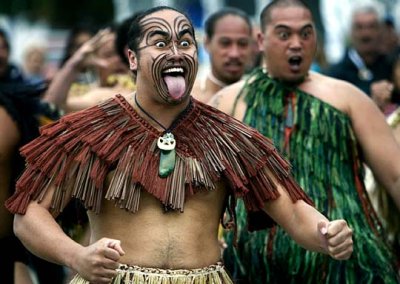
(338,239)
(98,262)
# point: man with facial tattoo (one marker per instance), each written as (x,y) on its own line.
(156,170)
(326,128)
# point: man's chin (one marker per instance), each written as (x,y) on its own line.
(293,79)
(231,78)
(173,100)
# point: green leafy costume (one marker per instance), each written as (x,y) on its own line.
(319,142)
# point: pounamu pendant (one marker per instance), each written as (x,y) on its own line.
(166,144)
(167,162)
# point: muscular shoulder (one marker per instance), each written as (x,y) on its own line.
(340,94)
(225,99)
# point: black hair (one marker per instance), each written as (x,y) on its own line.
(265,16)
(3,34)
(211,21)
(121,40)
(70,42)
(135,31)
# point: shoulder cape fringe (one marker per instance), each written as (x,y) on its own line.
(78,152)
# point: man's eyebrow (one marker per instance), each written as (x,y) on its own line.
(158,32)
(185,31)
(308,26)
(281,26)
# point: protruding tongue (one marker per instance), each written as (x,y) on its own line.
(176,86)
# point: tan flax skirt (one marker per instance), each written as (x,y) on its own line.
(213,274)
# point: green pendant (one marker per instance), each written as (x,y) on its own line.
(167,162)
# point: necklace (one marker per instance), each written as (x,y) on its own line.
(363,72)
(166,143)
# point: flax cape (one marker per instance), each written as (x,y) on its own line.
(77,152)
(327,164)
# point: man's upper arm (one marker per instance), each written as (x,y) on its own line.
(289,214)
(377,141)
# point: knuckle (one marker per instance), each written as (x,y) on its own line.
(349,241)
(331,250)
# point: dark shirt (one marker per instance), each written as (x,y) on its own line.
(12,76)
(346,70)
(27,109)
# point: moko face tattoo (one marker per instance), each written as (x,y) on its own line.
(172,47)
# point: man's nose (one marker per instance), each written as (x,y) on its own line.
(295,42)
(176,52)
(175,48)
(234,51)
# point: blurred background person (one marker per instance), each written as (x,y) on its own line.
(21,113)
(228,41)
(10,74)
(383,204)
(105,54)
(364,65)
(77,36)
(34,64)
(389,42)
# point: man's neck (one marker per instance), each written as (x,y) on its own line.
(164,113)
(215,81)
(368,57)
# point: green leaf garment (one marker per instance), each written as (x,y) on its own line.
(77,153)
(319,142)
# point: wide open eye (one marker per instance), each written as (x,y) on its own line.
(283,35)
(306,33)
(184,43)
(161,44)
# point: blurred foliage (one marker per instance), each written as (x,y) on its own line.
(61,13)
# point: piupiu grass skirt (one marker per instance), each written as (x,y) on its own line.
(213,274)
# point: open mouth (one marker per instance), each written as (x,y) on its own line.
(295,61)
(174,78)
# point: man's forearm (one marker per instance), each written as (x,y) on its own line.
(303,227)
(58,90)
(41,234)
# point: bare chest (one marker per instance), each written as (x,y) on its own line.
(157,237)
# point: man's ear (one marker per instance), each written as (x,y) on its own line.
(206,43)
(132,60)
(260,41)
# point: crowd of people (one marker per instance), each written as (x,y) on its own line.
(144,171)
